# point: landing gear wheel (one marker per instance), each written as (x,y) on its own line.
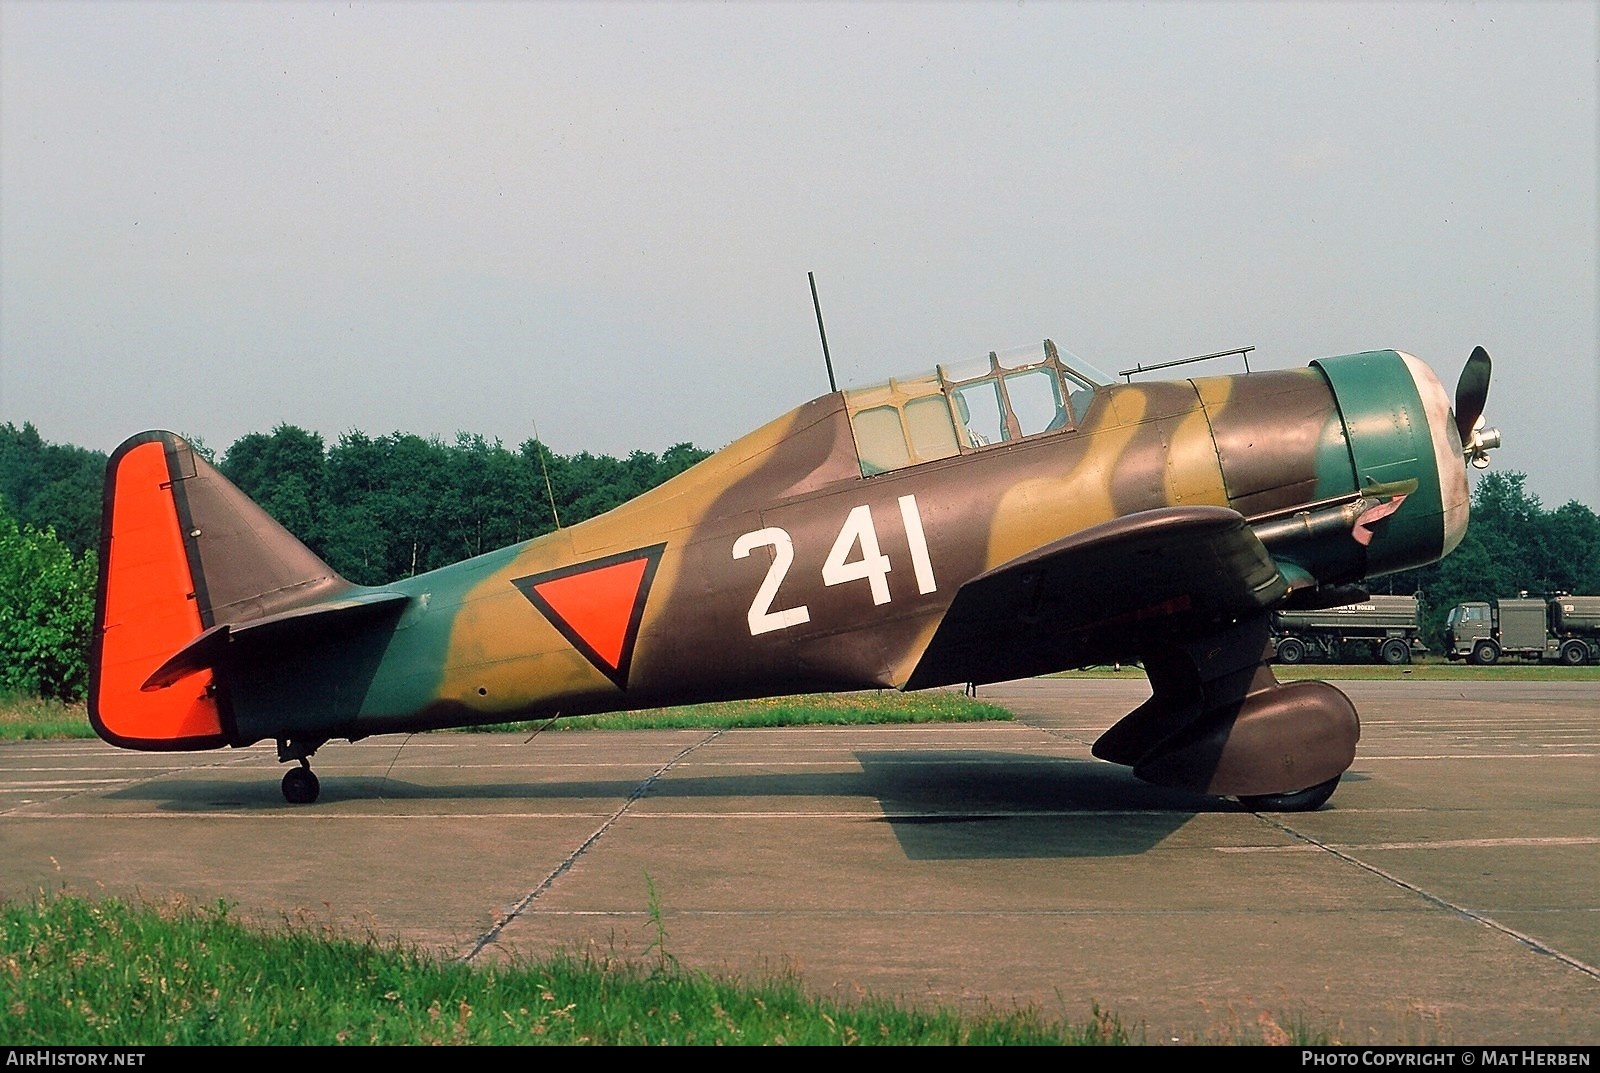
(300,786)
(1395,652)
(1484,653)
(1308,800)
(1291,651)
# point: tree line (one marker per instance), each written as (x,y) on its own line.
(380,508)
(385,507)
(375,508)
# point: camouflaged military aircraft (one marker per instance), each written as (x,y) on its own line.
(1018,516)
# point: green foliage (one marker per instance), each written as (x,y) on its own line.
(52,486)
(46,612)
(75,972)
(385,507)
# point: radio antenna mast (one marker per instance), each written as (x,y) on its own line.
(821,330)
(549,491)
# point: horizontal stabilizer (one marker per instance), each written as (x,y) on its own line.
(205,651)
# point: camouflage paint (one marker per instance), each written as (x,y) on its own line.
(775,566)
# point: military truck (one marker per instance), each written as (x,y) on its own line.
(1378,629)
(1559,628)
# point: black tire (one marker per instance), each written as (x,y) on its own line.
(1574,653)
(1291,650)
(1308,800)
(1485,653)
(1394,652)
(300,786)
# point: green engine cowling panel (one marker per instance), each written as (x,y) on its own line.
(1386,424)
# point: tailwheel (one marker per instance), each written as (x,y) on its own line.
(1308,800)
(300,785)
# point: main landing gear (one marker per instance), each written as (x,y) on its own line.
(300,784)
(1218,722)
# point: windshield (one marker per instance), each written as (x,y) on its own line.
(1088,375)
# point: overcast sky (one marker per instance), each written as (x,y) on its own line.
(595,221)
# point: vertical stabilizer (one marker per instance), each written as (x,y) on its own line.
(182,552)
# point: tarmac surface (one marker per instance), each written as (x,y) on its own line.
(1449,893)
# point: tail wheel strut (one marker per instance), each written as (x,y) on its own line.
(300,785)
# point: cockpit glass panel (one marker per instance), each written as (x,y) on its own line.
(979,406)
(880,443)
(1081,371)
(1036,400)
(932,431)
(967,369)
(1020,357)
(1081,399)
(1076,383)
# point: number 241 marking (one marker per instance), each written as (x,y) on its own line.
(872,566)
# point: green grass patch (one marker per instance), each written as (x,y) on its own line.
(822,709)
(1427,670)
(1440,671)
(75,972)
(35,719)
(30,718)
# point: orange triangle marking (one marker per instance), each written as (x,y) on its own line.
(598,605)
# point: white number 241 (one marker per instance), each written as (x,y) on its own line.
(871,566)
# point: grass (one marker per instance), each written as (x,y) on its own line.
(1430,669)
(35,719)
(1441,671)
(78,972)
(30,718)
(830,709)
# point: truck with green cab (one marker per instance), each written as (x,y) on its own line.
(1554,628)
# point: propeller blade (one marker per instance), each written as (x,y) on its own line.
(1471,392)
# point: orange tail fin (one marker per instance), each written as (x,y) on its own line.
(182,551)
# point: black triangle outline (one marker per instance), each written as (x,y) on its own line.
(618,675)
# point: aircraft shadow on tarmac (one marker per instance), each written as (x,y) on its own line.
(941,804)
(954,805)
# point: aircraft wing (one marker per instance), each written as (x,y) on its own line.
(1094,596)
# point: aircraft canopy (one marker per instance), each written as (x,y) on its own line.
(969,406)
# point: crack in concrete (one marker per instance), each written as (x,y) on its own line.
(1444,903)
(639,791)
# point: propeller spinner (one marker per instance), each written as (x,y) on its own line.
(1472,390)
